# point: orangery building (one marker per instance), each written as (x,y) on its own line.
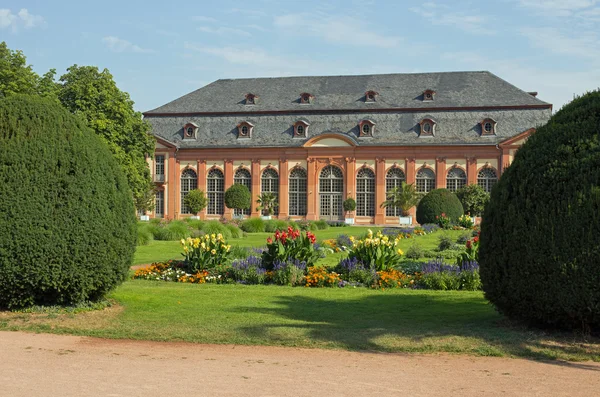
(315,141)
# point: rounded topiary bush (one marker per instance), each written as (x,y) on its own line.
(540,244)
(437,202)
(238,197)
(67,219)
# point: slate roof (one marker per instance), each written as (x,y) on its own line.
(453,89)
(462,101)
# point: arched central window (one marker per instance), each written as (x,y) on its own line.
(486,178)
(297,183)
(242,177)
(425,180)
(455,179)
(393,179)
(270,184)
(215,187)
(189,182)
(365,192)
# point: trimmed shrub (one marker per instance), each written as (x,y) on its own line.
(238,197)
(438,202)
(253,225)
(473,199)
(539,245)
(196,201)
(67,218)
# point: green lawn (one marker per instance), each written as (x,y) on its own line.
(164,250)
(354,319)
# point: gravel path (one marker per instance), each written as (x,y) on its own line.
(53,365)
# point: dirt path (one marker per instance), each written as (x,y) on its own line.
(51,365)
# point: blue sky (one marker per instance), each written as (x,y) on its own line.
(158,52)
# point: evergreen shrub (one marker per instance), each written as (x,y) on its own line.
(539,248)
(438,202)
(67,218)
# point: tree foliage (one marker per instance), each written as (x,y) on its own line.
(473,198)
(17,77)
(238,197)
(539,245)
(94,95)
(438,202)
(404,197)
(195,200)
(66,216)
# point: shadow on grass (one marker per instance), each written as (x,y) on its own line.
(420,321)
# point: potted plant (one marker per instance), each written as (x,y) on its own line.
(473,198)
(267,202)
(196,201)
(404,197)
(238,197)
(349,206)
(145,202)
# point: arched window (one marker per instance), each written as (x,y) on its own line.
(393,179)
(455,179)
(270,184)
(297,185)
(215,187)
(189,182)
(486,178)
(425,180)
(242,177)
(365,192)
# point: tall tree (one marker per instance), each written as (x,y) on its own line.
(17,77)
(94,95)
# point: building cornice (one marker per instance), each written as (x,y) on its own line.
(342,111)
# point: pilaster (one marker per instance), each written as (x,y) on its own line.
(201,167)
(255,171)
(313,194)
(379,191)
(283,188)
(228,168)
(471,170)
(440,172)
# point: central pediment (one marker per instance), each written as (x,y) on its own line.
(329,141)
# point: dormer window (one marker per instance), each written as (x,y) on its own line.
(301,129)
(488,127)
(428,95)
(427,127)
(245,129)
(306,98)
(189,131)
(366,128)
(251,99)
(371,96)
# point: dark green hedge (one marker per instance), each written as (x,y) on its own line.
(437,202)
(540,235)
(67,221)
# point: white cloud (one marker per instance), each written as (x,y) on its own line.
(440,15)
(224,31)
(583,45)
(336,29)
(201,18)
(249,13)
(116,44)
(21,19)
(555,86)
(559,8)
